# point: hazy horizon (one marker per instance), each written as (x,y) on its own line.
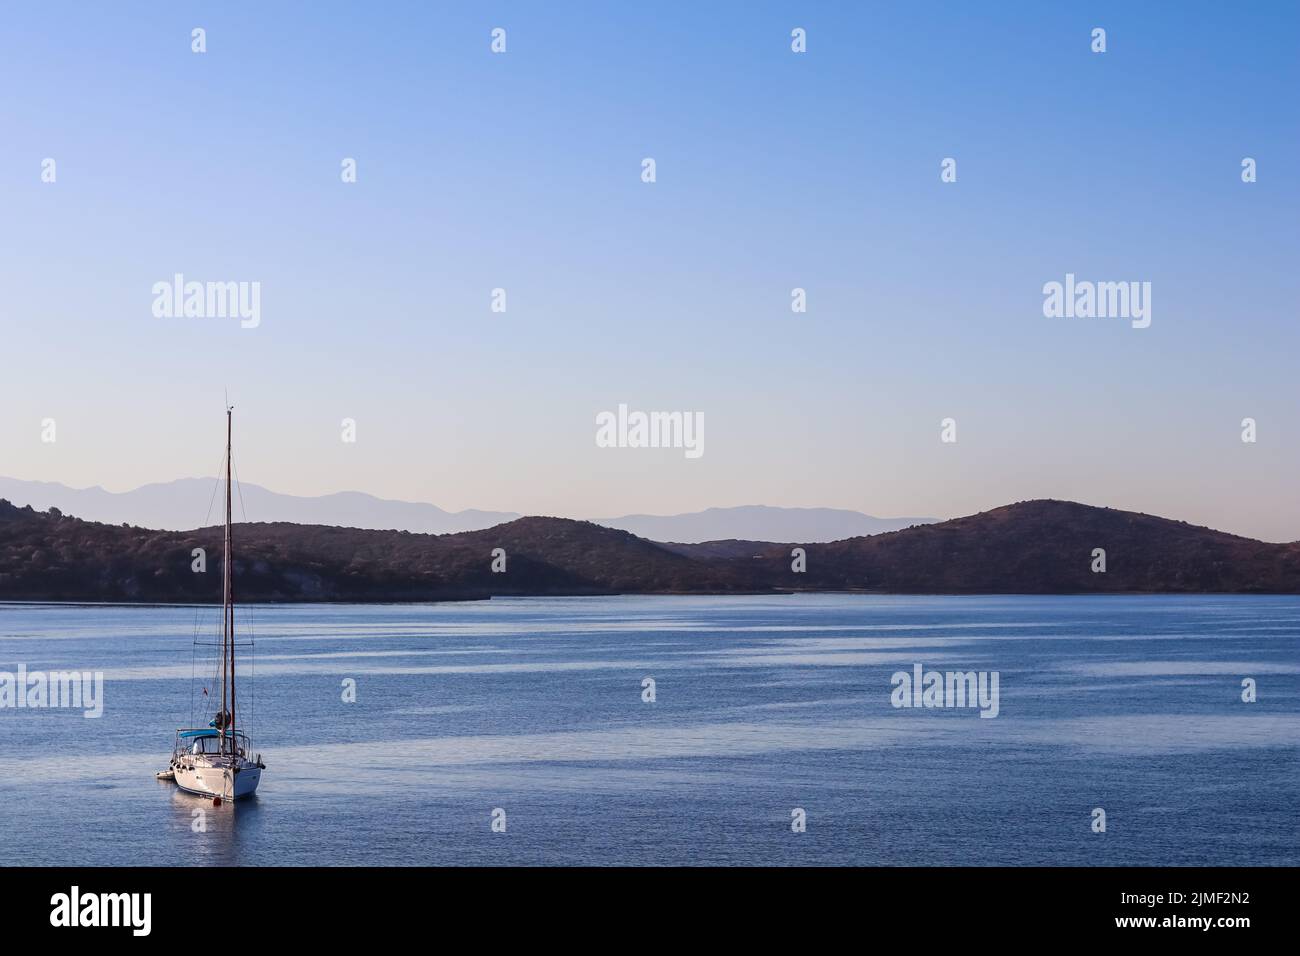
(775,171)
(187,503)
(625,520)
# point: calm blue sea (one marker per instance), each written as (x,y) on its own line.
(762,705)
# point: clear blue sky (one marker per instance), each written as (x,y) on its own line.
(775,170)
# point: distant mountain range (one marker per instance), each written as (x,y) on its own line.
(182,505)
(1038,547)
(759,523)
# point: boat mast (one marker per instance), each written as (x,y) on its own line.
(228,609)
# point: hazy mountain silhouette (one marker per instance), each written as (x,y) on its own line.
(759,523)
(183,504)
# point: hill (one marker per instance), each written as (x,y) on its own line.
(52,557)
(1046,546)
(1038,547)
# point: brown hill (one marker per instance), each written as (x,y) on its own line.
(1030,547)
(49,556)
(1046,546)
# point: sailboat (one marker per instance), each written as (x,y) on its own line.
(217,760)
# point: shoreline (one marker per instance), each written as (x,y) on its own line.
(18,603)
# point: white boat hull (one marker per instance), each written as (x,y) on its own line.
(219,781)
